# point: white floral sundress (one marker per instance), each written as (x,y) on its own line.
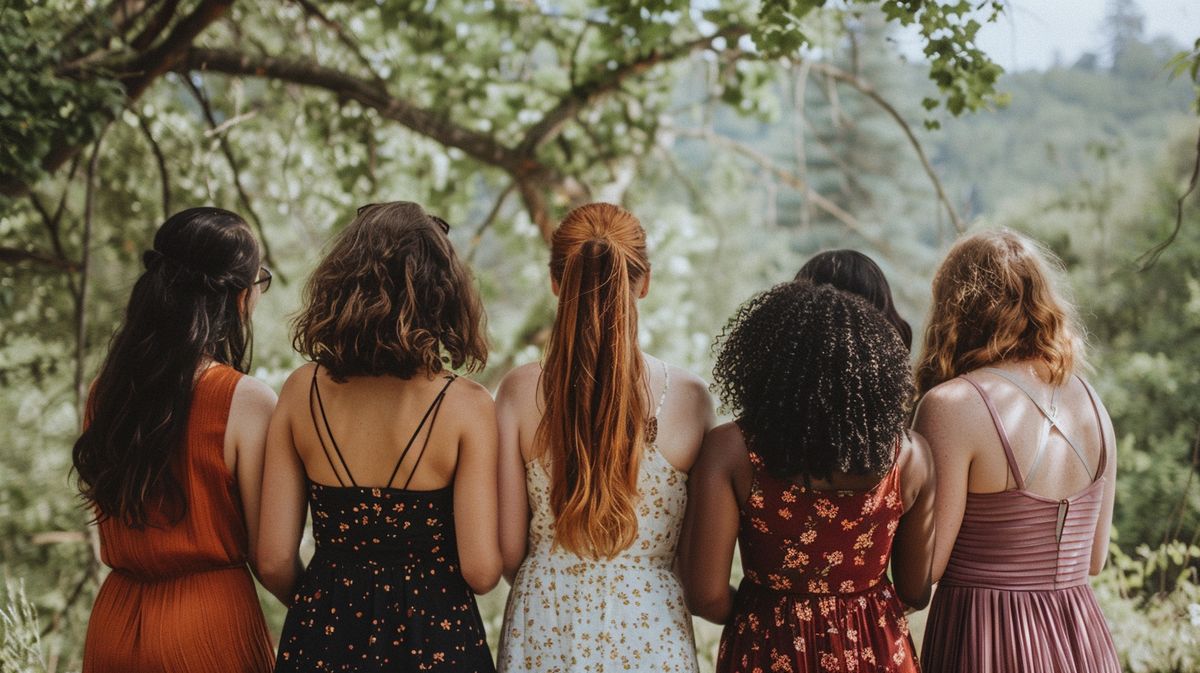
(568,614)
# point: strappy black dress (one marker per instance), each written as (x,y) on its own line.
(383,591)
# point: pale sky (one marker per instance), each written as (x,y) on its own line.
(1028,35)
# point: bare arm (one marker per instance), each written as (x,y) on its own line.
(710,526)
(939,420)
(912,549)
(475,506)
(249,416)
(283,513)
(513,500)
(1104,524)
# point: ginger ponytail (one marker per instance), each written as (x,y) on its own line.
(592,430)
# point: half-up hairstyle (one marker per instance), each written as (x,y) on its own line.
(997,296)
(391,298)
(854,272)
(818,381)
(592,430)
(184,309)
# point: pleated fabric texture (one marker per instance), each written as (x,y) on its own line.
(180,597)
(1015,596)
(816,597)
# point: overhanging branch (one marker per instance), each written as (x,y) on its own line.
(428,123)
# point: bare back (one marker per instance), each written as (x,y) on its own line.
(1056,459)
(381,430)
(682,420)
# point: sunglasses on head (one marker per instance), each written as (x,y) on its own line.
(445,226)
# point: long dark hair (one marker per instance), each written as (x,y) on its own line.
(854,272)
(183,309)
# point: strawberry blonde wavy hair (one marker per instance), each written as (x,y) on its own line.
(999,296)
(592,430)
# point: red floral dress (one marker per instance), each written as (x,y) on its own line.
(815,596)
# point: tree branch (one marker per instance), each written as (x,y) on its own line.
(140,72)
(487,221)
(1150,257)
(429,123)
(787,177)
(869,91)
(85,259)
(592,90)
(10,255)
(223,142)
(161,159)
(344,37)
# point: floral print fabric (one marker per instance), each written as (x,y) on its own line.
(815,595)
(568,613)
(384,591)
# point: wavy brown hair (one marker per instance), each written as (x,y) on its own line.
(997,296)
(592,429)
(391,298)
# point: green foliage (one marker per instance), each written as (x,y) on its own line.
(1152,597)
(42,108)
(20,633)
(964,74)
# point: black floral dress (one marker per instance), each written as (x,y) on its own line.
(384,591)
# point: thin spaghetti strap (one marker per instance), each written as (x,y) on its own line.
(666,385)
(1008,452)
(314,391)
(1099,427)
(432,410)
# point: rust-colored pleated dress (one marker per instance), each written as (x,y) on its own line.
(180,598)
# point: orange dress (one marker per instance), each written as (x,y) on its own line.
(180,598)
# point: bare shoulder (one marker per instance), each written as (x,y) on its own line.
(466,394)
(253,395)
(916,457)
(724,445)
(691,388)
(955,394)
(298,382)
(519,383)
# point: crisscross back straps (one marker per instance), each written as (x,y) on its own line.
(1050,422)
(314,392)
(1099,428)
(1008,452)
(431,416)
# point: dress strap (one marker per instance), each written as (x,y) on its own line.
(431,416)
(314,392)
(1099,427)
(1051,421)
(1008,452)
(652,422)
(666,386)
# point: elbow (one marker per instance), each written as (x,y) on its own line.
(276,572)
(916,598)
(482,575)
(511,560)
(711,604)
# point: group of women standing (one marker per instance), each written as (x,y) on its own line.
(597,482)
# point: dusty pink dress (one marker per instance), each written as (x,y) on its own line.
(1015,595)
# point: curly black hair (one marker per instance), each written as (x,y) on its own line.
(818,380)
